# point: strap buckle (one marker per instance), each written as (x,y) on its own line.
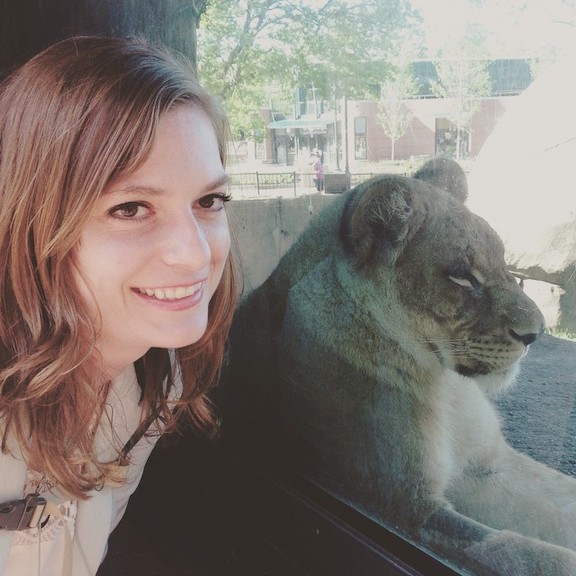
(22,514)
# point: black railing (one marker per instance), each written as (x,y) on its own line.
(259,181)
(255,183)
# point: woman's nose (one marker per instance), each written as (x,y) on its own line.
(186,243)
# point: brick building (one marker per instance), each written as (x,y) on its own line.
(350,134)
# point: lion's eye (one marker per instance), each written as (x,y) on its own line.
(465,282)
(469,279)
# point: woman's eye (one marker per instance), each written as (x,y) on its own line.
(128,211)
(214,202)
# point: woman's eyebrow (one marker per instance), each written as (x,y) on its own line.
(224,180)
(135,189)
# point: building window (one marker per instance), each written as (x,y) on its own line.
(451,142)
(360,144)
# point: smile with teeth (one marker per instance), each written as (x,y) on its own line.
(171,293)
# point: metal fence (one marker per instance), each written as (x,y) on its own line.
(263,181)
(291,183)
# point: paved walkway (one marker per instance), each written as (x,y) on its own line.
(539,413)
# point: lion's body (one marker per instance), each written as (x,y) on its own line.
(382,336)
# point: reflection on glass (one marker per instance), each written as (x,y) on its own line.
(377,358)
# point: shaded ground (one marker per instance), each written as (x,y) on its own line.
(538,416)
(539,413)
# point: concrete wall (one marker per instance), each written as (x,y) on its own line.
(264,229)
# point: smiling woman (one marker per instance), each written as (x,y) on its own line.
(117,289)
(169,238)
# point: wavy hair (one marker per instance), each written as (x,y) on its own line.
(73,119)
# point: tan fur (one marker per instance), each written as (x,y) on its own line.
(372,352)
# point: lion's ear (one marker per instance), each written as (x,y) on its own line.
(380,219)
(446,174)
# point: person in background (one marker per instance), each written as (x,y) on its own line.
(318,168)
(117,288)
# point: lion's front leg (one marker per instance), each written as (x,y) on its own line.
(510,491)
(484,551)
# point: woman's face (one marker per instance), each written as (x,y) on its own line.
(154,248)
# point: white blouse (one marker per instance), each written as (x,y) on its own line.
(74,539)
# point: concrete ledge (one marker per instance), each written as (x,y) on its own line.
(264,229)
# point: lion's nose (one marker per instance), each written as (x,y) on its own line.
(527,338)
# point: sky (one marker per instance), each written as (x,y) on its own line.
(514,32)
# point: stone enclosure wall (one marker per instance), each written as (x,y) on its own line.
(264,230)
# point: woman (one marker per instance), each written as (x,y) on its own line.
(318,168)
(117,288)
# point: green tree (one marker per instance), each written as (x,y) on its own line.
(464,82)
(341,47)
(393,114)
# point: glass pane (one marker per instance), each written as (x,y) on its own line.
(389,347)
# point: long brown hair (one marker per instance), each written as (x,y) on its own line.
(72,120)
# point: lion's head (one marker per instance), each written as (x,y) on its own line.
(450,284)
(446,265)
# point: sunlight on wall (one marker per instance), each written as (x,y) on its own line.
(522,182)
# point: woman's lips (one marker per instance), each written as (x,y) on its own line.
(171,293)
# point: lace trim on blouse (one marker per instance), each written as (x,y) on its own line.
(54,527)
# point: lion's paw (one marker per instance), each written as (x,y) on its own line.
(510,554)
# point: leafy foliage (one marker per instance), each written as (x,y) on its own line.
(251,51)
(393,114)
(464,82)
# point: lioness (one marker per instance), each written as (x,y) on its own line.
(374,349)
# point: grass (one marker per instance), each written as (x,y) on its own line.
(561,333)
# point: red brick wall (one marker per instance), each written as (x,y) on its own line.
(419,139)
